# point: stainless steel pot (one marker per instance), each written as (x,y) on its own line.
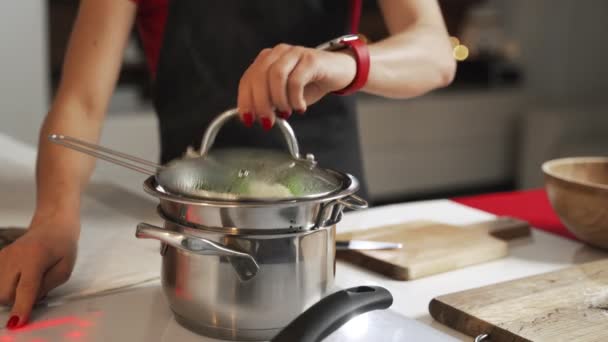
(241,267)
(242,287)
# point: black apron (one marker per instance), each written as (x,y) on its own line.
(207,47)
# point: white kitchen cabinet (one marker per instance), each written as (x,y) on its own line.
(439,142)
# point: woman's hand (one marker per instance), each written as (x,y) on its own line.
(42,259)
(290,78)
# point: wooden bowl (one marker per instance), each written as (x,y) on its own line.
(578,192)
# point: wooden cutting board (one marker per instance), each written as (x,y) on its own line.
(430,247)
(565,305)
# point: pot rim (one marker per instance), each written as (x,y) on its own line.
(350,186)
(251,234)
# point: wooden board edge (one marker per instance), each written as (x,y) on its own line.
(371,264)
(357,234)
(469,325)
(366,261)
(528,277)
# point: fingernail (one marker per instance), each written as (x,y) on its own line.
(301,111)
(12,322)
(248,119)
(284,115)
(266,124)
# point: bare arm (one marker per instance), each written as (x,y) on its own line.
(417,56)
(44,257)
(91,68)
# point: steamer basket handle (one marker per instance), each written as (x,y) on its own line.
(354,202)
(125,160)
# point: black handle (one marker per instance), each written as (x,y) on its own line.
(331,312)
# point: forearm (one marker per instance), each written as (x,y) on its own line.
(61,174)
(90,72)
(410,64)
(416,57)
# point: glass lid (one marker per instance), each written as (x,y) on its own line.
(248,173)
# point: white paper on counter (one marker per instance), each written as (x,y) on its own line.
(109,256)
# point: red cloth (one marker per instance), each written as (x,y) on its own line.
(150,22)
(355,15)
(532,206)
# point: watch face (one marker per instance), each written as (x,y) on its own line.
(9,235)
(350,37)
(363,38)
(340,42)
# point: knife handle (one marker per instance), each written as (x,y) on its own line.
(504,228)
(342,245)
(355,245)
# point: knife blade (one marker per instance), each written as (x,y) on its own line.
(366,245)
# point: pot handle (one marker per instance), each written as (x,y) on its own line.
(244,264)
(331,312)
(353,202)
(217,123)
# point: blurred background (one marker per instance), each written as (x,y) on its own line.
(531,86)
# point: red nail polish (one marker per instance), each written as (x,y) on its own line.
(248,119)
(301,111)
(266,124)
(284,115)
(12,322)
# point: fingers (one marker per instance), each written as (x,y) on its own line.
(29,269)
(8,283)
(245,103)
(30,275)
(262,104)
(32,286)
(300,77)
(254,101)
(55,276)
(278,74)
(275,84)
(25,296)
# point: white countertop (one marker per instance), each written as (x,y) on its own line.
(109,217)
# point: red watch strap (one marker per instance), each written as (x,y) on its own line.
(361,52)
(355,15)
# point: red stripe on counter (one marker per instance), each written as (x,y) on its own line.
(532,206)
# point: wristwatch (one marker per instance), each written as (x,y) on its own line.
(358,44)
